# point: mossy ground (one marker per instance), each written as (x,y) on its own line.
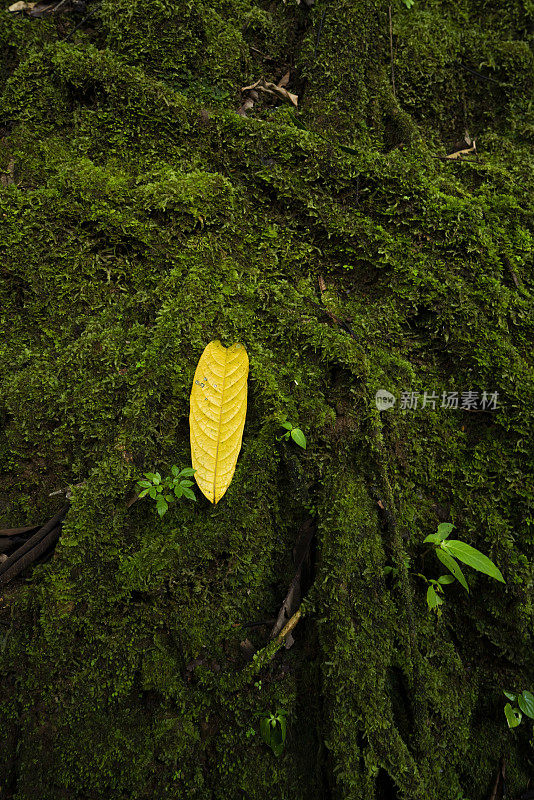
(146,219)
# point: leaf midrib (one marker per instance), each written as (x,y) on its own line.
(219,428)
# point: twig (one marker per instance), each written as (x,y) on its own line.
(319,33)
(30,557)
(262,657)
(80,23)
(263,55)
(512,273)
(17,531)
(279,641)
(33,548)
(292,598)
(343,324)
(391,52)
(66,490)
(499,781)
(259,624)
(484,77)
(133,499)
(61,3)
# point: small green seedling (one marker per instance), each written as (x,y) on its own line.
(434,593)
(273,730)
(393,571)
(525,701)
(449,552)
(295,433)
(166,490)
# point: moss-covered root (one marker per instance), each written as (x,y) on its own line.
(357,632)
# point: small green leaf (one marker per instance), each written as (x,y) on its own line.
(161,506)
(150,476)
(265,730)
(287,425)
(432,599)
(298,437)
(511,696)
(449,562)
(169,498)
(473,558)
(432,537)
(347,149)
(156,478)
(144,492)
(178,491)
(189,493)
(444,579)
(513,716)
(276,739)
(526,703)
(282,722)
(152,492)
(187,472)
(174,471)
(444,529)
(159,487)
(146,484)
(187,483)
(299,124)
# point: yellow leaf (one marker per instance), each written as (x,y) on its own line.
(217,416)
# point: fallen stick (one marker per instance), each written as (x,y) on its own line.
(279,641)
(292,599)
(262,657)
(33,548)
(18,531)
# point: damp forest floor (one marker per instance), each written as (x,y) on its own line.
(145,212)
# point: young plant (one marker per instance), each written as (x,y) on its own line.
(525,701)
(434,593)
(295,433)
(166,490)
(449,552)
(273,730)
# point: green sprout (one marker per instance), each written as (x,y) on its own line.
(449,552)
(166,490)
(295,433)
(525,701)
(273,730)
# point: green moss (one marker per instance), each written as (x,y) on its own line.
(180,43)
(454,75)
